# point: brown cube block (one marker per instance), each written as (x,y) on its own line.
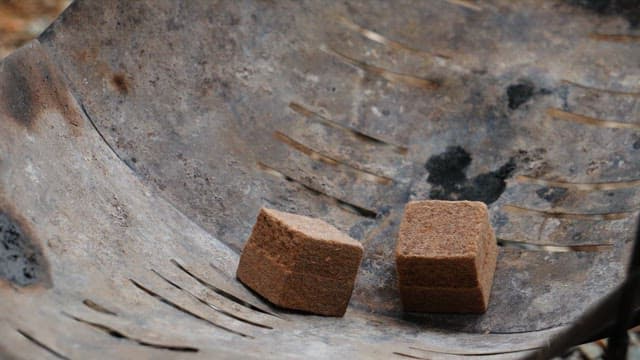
(300,263)
(446,256)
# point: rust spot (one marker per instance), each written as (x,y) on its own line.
(121,83)
(86,55)
(31,86)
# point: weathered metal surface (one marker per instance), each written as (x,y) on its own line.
(139,139)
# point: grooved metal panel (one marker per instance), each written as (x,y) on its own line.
(138,141)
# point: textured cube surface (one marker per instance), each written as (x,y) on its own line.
(446,256)
(300,263)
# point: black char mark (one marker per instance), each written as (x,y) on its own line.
(519,94)
(447,175)
(21,261)
(629,9)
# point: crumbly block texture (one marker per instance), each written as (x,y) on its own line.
(441,243)
(300,263)
(313,228)
(442,229)
(446,257)
(452,299)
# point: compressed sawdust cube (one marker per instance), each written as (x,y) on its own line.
(446,257)
(300,263)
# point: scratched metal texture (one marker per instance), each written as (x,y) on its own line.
(138,141)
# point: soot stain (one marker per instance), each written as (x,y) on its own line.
(359,230)
(447,175)
(520,93)
(30,86)
(636,141)
(629,9)
(21,261)
(552,194)
(17,93)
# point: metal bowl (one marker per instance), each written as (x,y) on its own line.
(138,141)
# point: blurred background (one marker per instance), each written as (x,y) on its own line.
(23,20)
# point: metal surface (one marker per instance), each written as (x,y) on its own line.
(138,141)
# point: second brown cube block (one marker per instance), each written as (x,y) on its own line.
(446,256)
(300,263)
